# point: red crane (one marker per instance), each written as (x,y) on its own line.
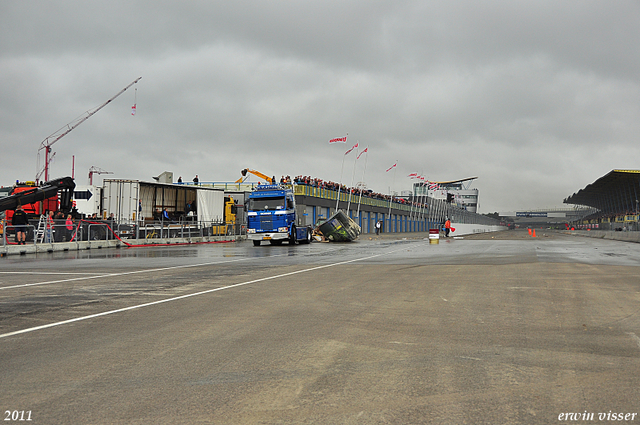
(96,170)
(52,139)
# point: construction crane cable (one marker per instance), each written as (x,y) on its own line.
(59,134)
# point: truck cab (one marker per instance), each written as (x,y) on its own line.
(271,216)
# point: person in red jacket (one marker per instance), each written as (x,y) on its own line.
(447,227)
(69,226)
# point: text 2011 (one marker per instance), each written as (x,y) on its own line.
(17,415)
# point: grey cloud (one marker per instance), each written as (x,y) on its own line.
(537,99)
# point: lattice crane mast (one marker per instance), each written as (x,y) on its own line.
(52,139)
(96,170)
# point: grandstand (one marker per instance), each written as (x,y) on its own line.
(615,197)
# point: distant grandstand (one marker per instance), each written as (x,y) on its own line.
(614,197)
(553,217)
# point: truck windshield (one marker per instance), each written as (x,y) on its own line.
(257,204)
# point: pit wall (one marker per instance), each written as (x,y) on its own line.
(31,248)
(607,234)
(469,229)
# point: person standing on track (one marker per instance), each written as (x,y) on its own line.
(447,227)
(69,227)
(20,221)
(48,236)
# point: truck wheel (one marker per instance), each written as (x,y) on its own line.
(307,238)
(256,243)
(293,237)
(309,235)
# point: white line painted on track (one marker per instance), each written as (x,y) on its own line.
(634,337)
(25,285)
(469,358)
(47,273)
(195,294)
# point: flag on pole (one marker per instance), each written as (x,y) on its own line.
(133,110)
(354,146)
(365,150)
(414,175)
(339,140)
(393,166)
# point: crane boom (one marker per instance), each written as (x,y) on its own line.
(255,173)
(53,138)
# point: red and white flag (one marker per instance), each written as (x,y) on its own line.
(365,150)
(415,175)
(339,140)
(133,110)
(354,146)
(393,166)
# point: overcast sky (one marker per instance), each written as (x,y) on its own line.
(535,98)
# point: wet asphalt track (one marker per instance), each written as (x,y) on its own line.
(495,328)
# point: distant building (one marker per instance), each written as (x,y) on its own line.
(458,192)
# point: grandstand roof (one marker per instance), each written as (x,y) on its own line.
(615,192)
(457,181)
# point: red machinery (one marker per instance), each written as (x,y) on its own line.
(53,195)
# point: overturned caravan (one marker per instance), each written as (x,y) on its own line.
(339,228)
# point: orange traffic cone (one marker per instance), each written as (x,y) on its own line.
(534,233)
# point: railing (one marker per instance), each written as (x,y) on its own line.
(85,231)
(433,211)
(226,186)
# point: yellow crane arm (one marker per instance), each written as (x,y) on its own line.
(255,173)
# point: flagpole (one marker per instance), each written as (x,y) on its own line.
(418,204)
(391,194)
(340,183)
(413,201)
(424,200)
(433,205)
(353,177)
(427,206)
(365,170)
(341,170)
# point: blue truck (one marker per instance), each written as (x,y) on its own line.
(272,216)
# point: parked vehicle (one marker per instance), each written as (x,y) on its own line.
(272,216)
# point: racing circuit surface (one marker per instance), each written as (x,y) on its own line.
(490,329)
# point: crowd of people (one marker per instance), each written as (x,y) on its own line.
(58,227)
(315,182)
